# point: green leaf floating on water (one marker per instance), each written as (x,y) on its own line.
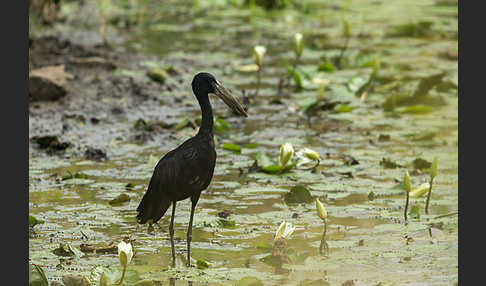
(356,83)
(120,199)
(221,126)
(414,212)
(33,221)
(263,160)
(414,29)
(327,67)
(144,282)
(272,169)
(416,109)
(343,108)
(226,223)
(421,164)
(113,275)
(202,264)
(251,146)
(231,147)
(158,75)
(66,249)
(277,169)
(249,281)
(37,277)
(75,280)
(298,194)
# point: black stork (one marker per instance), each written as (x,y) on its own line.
(187,170)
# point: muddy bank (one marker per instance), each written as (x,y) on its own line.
(107,90)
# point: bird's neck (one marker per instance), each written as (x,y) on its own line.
(207,116)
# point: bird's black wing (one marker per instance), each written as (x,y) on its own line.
(178,175)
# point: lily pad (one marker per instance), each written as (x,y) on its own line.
(33,221)
(249,281)
(120,199)
(298,194)
(37,277)
(231,147)
(113,275)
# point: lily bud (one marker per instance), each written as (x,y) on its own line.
(299,44)
(433,168)
(258,53)
(284,230)
(286,153)
(407,183)
(311,154)
(125,253)
(321,211)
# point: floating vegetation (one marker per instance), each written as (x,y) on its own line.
(298,194)
(359,99)
(231,147)
(322,213)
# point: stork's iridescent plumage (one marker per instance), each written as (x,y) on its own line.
(187,170)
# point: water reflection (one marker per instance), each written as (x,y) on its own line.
(172,282)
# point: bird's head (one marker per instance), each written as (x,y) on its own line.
(205,83)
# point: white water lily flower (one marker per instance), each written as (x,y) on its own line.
(299,44)
(321,210)
(125,253)
(318,79)
(285,230)
(286,153)
(258,54)
(311,154)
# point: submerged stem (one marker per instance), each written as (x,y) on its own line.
(428,196)
(258,80)
(406,206)
(342,52)
(317,164)
(123,276)
(323,241)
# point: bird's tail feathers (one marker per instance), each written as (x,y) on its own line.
(151,208)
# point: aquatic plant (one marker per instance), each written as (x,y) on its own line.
(125,253)
(284,231)
(408,189)
(419,190)
(433,173)
(309,154)
(292,71)
(258,55)
(322,213)
(298,47)
(347,36)
(286,153)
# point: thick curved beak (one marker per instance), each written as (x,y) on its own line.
(226,96)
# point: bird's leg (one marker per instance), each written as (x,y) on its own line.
(189,231)
(171,232)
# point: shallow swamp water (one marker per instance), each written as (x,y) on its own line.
(365,148)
